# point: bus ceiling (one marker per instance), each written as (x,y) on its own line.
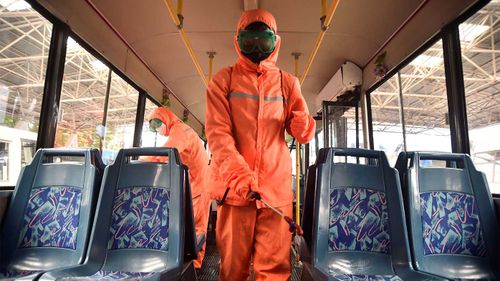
(142,41)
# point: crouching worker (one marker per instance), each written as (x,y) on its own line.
(193,155)
(249,107)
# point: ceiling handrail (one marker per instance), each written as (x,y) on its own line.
(319,39)
(178,19)
(117,33)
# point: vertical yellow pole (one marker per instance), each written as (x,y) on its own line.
(211,56)
(179,7)
(297,156)
(323,8)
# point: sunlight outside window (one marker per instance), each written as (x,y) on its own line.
(427,61)
(480,45)
(24,48)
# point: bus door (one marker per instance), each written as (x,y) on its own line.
(341,123)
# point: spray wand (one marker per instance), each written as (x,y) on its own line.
(293,227)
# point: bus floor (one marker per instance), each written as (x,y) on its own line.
(209,270)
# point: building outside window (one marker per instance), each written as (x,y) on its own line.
(480,46)
(83,93)
(24,46)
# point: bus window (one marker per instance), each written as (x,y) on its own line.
(28,151)
(425,103)
(418,91)
(386,122)
(121,115)
(24,48)
(312,151)
(149,138)
(82,99)
(480,42)
(4,161)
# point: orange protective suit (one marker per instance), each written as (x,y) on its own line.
(249,106)
(193,155)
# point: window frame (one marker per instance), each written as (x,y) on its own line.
(456,97)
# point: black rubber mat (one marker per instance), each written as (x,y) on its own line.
(296,267)
(209,270)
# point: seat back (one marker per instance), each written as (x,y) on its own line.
(308,206)
(358,220)
(48,221)
(141,216)
(453,225)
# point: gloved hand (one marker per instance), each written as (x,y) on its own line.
(244,185)
(299,121)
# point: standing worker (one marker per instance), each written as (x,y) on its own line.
(249,106)
(193,155)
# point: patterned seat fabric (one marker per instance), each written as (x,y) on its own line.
(451,225)
(16,273)
(113,275)
(346,277)
(140,219)
(51,217)
(359,221)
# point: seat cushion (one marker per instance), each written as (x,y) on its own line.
(359,220)
(113,275)
(348,277)
(140,218)
(451,224)
(7,274)
(51,217)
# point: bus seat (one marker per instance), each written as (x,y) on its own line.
(307,214)
(5,196)
(200,240)
(144,221)
(359,232)
(453,227)
(47,224)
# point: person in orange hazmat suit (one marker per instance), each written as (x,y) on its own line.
(249,107)
(193,155)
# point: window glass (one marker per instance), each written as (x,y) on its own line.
(120,122)
(425,103)
(28,151)
(149,138)
(82,99)
(424,106)
(387,128)
(312,151)
(24,47)
(480,45)
(341,124)
(4,161)
(360,128)
(351,127)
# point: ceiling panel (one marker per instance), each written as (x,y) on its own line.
(358,29)
(137,20)
(209,16)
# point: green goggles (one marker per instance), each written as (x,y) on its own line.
(251,41)
(155,124)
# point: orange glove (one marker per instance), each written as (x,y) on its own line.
(299,121)
(243,184)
